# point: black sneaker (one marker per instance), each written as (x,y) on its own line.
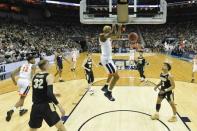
(109,96)
(192,81)
(61,80)
(22,112)
(9,115)
(105,88)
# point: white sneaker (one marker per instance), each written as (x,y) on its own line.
(142,79)
(91,91)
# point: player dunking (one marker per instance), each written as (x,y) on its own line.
(59,56)
(107,62)
(166,91)
(194,68)
(87,65)
(26,72)
(43,107)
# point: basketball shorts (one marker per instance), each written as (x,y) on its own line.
(168,95)
(59,66)
(40,112)
(74,59)
(89,76)
(109,66)
(23,86)
(194,69)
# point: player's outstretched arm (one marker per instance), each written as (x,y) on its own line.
(13,75)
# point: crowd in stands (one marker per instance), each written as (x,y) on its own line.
(184,35)
(17,40)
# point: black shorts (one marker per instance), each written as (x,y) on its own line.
(44,111)
(90,77)
(168,95)
(59,66)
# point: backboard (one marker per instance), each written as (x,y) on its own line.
(140,12)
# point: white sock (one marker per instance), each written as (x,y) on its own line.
(14,108)
(21,108)
(109,90)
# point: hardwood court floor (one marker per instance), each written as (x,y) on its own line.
(74,88)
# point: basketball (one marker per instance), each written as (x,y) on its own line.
(133,37)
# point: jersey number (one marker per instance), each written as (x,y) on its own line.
(25,69)
(162,84)
(38,83)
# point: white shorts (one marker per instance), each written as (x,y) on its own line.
(109,66)
(195,69)
(74,59)
(24,86)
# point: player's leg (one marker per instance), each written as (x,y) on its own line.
(104,63)
(89,77)
(158,106)
(19,104)
(115,77)
(141,72)
(60,126)
(60,76)
(60,66)
(192,81)
(23,91)
(57,71)
(105,87)
(170,98)
(52,118)
(36,116)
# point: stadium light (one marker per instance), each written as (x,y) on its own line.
(62,3)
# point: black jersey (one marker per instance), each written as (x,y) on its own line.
(39,85)
(88,64)
(165,82)
(141,61)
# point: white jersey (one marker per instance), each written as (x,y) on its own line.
(132,55)
(25,71)
(106,49)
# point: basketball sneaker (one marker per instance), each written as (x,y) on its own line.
(173,119)
(192,81)
(22,112)
(9,115)
(91,91)
(105,88)
(61,80)
(155,117)
(108,94)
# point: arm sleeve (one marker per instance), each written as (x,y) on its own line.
(51,95)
